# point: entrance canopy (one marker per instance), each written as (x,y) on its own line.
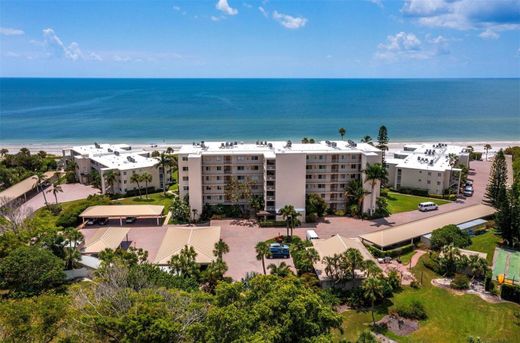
(123,211)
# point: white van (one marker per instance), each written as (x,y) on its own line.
(311,234)
(427,206)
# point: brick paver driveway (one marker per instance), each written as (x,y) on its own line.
(242,236)
(71,191)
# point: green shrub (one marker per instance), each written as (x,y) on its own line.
(450,234)
(460,281)
(384,192)
(70,216)
(391,253)
(432,264)
(272,223)
(475,156)
(339,213)
(311,218)
(314,203)
(510,292)
(413,191)
(413,310)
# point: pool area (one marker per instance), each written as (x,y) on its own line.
(507,262)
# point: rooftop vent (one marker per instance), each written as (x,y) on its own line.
(97,145)
(116,153)
(110,150)
(130,159)
(270,145)
(351,143)
(289,144)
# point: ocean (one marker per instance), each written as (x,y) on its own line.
(184,110)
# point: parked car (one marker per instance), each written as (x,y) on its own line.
(102,221)
(91,221)
(427,206)
(130,220)
(468,191)
(469,183)
(278,250)
(311,234)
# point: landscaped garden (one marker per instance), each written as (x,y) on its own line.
(398,202)
(451,317)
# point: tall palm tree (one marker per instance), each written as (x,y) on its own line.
(221,248)
(342,132)
(282,270)
(262,251)
(56,188)
(169,150)
(146,178)
(110,177)
(372,290)
(164,162)
(355,192)
(367,139)
(355,260)
(289,214)
(136,178)
(3,152)
(41,178)
(373,173)
(72,254)
(487,147)
(478,266)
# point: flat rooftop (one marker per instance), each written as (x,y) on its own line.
(409,231)
(271,148)
(425,156)
(116,156)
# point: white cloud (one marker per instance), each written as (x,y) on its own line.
(118,58)
(288,21)
(176,8)
(7,31)
(407,46)
(219,18)
(465,14)
(489,34)
(263,11)
(222,5)
(55,47)
(378,3)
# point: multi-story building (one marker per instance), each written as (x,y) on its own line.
(426,167)
(283,173)
(120,158)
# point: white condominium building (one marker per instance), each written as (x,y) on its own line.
(283,173)
(118,157)
(426,167)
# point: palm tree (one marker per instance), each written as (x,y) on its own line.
(477,265)
(72,254)
(289,214)
(221,248)
(371,268)
(372,290)
(262,251)
(56,188)
(136,178)
(146,178)
(355,192)
(3,152)
(453,159)
(487,147)
(373,173)
(342,132)
(282,270)
(355,260)
(110,177)
(41,177)
(169,150)
(367,139)
(164,161)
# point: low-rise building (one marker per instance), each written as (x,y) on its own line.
(281,172)
(426,167)
(120,158)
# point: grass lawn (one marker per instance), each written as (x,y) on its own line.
(451,318)
(405,259)
(153,199)
(398,202)
(485,243)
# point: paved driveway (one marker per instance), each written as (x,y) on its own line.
(71,191)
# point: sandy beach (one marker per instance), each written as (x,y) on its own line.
(57,148)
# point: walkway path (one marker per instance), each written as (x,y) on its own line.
(415,258)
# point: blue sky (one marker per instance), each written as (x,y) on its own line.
(245,38)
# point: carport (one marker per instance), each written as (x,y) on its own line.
(123,211)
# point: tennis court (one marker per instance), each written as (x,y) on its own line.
(507,262)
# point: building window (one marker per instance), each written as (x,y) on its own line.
(255,167)
(254,158)
(439,174)
(184,178)
(186,188)
(352,176)
(321,185)
(219,168)
(429,182)
(240,158)
(321,157)
(207,178)
(208,197)
(429,173)
(240,177)
(308,167)
(220,197)
(208,168)
(308,177)
(124,173)
(240,168)
(124,182)
(184,158)
(208,188)
(438,183)
(353,166)
(419,180)
(218,178)
(184,168)
(219,188)
(321,166)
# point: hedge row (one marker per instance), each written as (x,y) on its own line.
(511,293)
(272,223)
(391,253)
